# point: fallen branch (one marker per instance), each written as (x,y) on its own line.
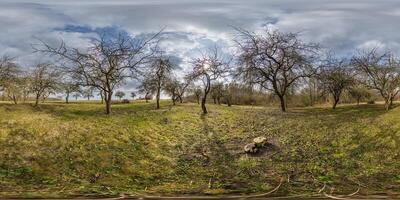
(322,189)
(341,197)
(354,193)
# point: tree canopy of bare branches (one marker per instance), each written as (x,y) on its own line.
(209,68)
(11,79)
(274,60)
(44,80)
(159,71)
(106,63)
(381,72)
(147,88)
(335,77)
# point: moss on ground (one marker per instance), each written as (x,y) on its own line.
(66,150)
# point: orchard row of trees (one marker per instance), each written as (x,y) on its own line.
(272,64)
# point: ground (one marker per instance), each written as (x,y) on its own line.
(66,150)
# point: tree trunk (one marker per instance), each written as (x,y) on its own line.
(391,102)
(387,104)
(203,105)
(107,99)
(180,99)
(283,104)
(15,100)
(158,97)
(173,100)
(206,91)
(108,107)
(229,102)
(358,101)
(218,101)
(37,100)
(335,102)
(198,99)
(215,100)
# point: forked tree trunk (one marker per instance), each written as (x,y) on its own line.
(387,104)
(335,102)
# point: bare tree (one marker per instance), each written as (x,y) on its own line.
(171,88)
(380,72)
(209,68)
(335,76)
(106,63)
(76,95)
(197,93)
(69,86)
(182,88)
(147,88)
(7,67)
(159,70)
(88,92)
(217,92)
(228,92)
(11,80)
(120,94)
(44,80)
(176,89)
(274,60)
(133,95)
(359,92)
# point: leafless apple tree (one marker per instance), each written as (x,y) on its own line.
(209,68)
(381,72)
(275,60)
(106,63)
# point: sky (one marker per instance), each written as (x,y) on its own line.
(343,26)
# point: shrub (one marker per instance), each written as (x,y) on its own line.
(371,102)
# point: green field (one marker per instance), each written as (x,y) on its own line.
(60,150)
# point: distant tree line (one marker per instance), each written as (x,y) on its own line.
(266,68)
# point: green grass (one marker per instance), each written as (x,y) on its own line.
(67,150)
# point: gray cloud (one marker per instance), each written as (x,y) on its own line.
(192,25)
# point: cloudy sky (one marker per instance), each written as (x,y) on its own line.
(192,25)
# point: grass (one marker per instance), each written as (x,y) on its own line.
(60,150)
